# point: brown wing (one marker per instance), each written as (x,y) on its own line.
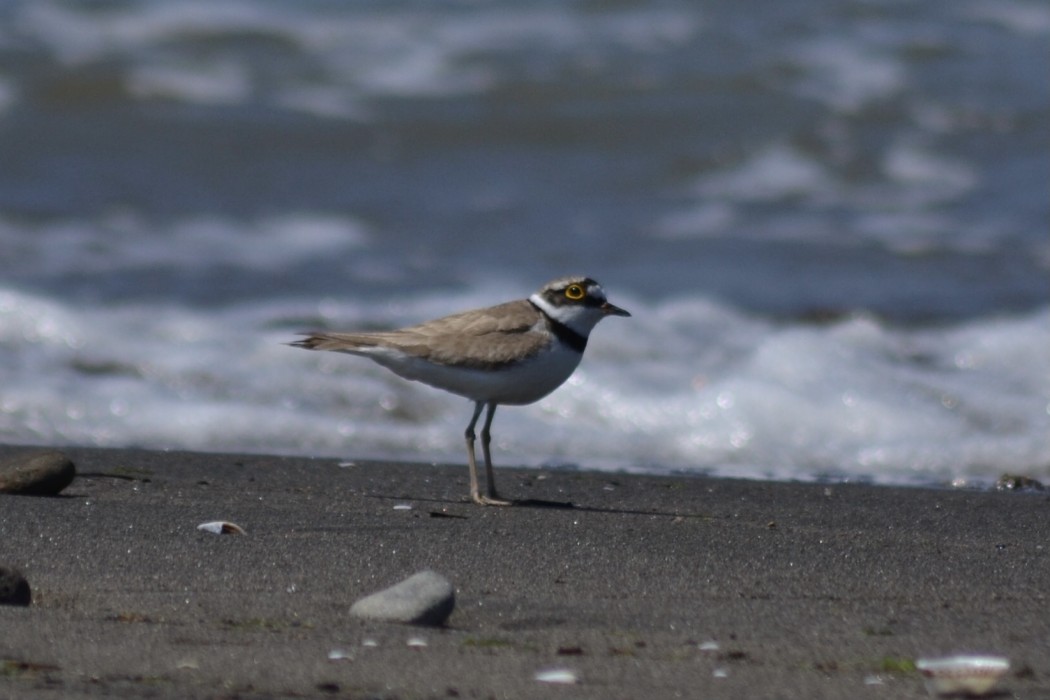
(494,336)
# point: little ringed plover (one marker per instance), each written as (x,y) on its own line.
(513,353)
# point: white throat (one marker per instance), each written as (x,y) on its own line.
(580,319)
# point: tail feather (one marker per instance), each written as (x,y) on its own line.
(344,342)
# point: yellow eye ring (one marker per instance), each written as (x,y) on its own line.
(574,292)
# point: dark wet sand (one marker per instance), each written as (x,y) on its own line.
(808,591)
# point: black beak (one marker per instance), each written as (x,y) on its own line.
(612,310)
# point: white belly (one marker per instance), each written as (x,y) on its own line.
(518,384)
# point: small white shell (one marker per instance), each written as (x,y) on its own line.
(416,642)
(968,675)
(340,655)
(557,675)
(222,527)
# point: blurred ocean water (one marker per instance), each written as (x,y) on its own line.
(831,221)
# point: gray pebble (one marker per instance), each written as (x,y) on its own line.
(14,589)
(42,473)
(426,598)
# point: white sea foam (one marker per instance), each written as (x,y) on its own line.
(1025,18)
(927,176)
(682,385)
(123,241)
(78,34)
(215,82)
(776,172)
(706,219)
(846,73)
(898,208)
(339,55)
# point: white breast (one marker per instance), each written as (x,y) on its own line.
(522,383)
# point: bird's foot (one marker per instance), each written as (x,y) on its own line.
(490,500)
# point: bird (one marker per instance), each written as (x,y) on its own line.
(511,354)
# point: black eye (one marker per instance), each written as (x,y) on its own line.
(574,292)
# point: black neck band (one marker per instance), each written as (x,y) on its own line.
(562,332)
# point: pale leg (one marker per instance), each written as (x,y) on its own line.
(491,499)
(475,492)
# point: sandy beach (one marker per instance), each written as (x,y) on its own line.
(658,587)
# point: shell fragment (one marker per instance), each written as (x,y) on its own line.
(222,527)
(963,674)
(557,675)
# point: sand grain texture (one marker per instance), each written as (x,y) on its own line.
(806,590)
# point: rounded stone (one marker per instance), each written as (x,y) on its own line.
(426,598)
(36,473)
(14,589)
